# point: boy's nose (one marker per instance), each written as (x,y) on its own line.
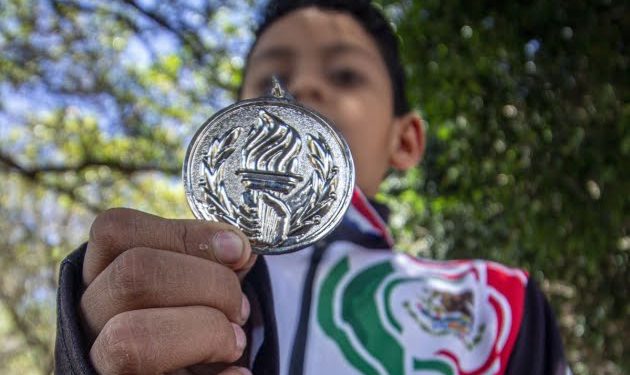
(307,89)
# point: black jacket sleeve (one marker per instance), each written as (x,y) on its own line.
(538,348)
(71,348)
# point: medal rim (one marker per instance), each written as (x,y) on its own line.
(273,101)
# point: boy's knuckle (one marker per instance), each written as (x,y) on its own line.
(118,347)
(223,346)
(108,227)
(128,281)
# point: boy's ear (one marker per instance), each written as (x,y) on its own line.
(408,147)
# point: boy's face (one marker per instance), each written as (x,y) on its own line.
(331,64)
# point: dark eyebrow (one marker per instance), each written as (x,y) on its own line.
(331,51)
(274,53)
(347,48)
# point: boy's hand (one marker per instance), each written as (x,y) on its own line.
(163,295)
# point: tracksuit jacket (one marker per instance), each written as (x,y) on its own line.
(351,305)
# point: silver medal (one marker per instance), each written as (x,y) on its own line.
(275,169)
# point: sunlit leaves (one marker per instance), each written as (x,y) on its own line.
(527,151)
(98,101)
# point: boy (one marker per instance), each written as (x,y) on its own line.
(152,295)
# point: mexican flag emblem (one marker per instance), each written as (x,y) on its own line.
(402,315)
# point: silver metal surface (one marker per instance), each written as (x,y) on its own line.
(275,169)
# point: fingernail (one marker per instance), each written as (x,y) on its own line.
(227,247)
(244,371)
(240,337)
(245,309)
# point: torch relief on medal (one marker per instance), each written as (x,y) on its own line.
(276,170)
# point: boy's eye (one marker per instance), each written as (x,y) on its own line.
(346,77)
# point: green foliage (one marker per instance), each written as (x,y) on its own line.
(526,107)
(528,130)
(98,101)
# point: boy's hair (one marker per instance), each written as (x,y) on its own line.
(369,17)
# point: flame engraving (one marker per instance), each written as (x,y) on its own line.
(270,211)
(268,174)
(272,145)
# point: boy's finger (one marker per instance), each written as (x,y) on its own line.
(155,341)
(119,229)
(142,278)
(215,369)
(235,371)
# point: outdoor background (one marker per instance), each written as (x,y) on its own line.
(526,106)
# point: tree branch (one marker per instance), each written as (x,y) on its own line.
(189,39)
(125,168)
(35,173)
(22,325)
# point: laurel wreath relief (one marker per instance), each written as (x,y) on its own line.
(309,204)
(220,204)
(315,198)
